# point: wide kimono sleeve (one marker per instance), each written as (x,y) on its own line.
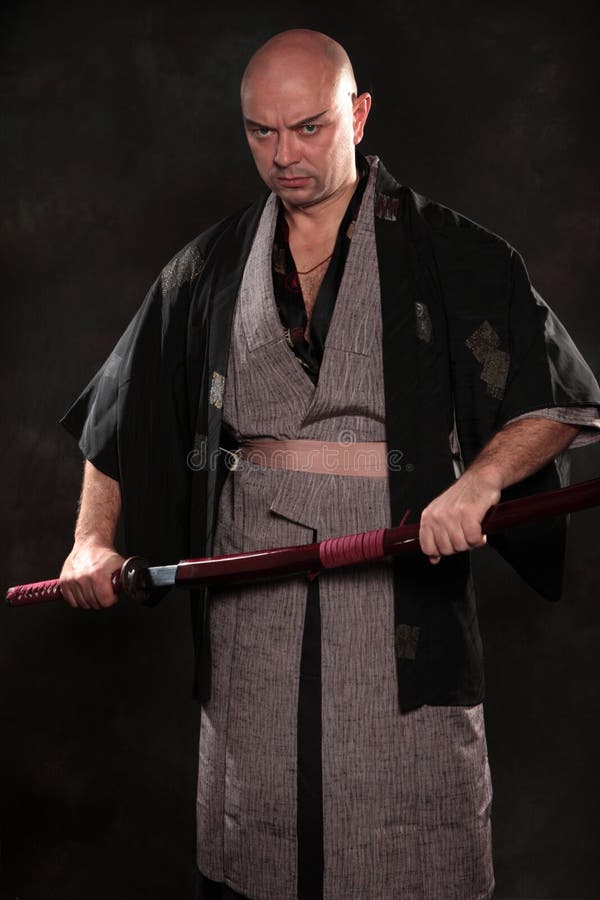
(512,358)
(134,420)
(93,418)
(546,373)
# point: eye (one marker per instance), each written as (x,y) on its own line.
(261,132)
(309,128)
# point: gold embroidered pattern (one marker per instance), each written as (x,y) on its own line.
(423,322)
(386,207)
(183,268)
(484,344)
(217,390)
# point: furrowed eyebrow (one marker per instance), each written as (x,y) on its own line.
(305,121)
(252,124)
(308,119)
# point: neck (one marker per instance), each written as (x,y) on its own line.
(325,215)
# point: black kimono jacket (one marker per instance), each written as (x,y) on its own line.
(468,344)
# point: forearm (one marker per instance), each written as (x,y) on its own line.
(520,449)
(86,574)
(452,521)
(99,507)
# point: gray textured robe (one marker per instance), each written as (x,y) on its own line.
(406,797)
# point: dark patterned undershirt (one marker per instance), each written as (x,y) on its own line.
(288,292)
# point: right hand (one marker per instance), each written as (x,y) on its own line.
(85,579)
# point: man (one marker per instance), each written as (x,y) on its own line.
(352,346)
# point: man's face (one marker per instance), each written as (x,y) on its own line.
(302,125)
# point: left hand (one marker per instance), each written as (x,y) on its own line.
(452,522)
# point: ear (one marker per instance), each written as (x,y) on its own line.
(360,110)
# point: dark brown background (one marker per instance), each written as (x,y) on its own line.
(120,141)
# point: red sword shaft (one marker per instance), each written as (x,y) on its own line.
(136,579)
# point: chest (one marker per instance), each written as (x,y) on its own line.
(310,284)
(311,260)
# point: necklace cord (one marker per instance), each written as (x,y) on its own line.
(308,271)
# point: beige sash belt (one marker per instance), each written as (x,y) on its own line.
(364,459)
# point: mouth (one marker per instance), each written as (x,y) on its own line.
(292,182)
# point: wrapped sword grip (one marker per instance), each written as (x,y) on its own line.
(128,581)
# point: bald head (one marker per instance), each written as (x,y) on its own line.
(302,116)
(295,53)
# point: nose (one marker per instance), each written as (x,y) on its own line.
(286,149)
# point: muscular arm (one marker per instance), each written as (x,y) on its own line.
(85,576)
(452,522)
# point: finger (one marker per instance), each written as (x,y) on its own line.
(91,595)
(436,527)
(86,593)
(443,542)
(450,537)
(426,540)
(428,545)
(473,534)
(67,593)
(79,596)
(459,539)
(105,594)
